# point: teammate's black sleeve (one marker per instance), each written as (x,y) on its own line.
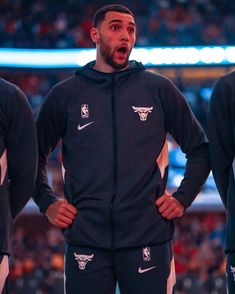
(21,146)
(220,132)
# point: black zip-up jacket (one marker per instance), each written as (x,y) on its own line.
(113,128)
(18,157)
(221,132)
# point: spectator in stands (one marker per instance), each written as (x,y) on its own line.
(221,133)
(18,163)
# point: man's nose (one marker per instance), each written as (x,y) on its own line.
(125,36)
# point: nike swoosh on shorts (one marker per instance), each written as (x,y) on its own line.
(144,270)
(84,126)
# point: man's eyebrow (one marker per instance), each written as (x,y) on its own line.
(120,21)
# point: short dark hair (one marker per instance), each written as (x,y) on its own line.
(100,13)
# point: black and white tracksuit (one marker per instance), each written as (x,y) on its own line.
(113,128)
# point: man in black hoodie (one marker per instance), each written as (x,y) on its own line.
(18,163)
(113,117)
(221,132)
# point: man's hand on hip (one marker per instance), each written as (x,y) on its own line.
(169,207)
(61,213)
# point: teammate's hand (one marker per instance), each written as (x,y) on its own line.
(169,207)
(61,213)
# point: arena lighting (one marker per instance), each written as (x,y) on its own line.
(149,56)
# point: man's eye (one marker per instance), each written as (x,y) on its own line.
(115,28)
(131,30)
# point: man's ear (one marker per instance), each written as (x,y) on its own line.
(95,36)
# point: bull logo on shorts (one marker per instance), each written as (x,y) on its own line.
(142,111)
(232,268)
(83,260)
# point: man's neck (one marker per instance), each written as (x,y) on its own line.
(106,68)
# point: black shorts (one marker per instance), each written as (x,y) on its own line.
(145,270)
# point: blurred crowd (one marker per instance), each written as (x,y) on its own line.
(66,23)
(199,255)
(37,265)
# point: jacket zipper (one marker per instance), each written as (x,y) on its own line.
(114,131)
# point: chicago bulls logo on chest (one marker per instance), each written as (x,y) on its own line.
(143,112)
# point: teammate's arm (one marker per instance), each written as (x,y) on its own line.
(21,144)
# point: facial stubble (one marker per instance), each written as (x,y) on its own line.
(108,56)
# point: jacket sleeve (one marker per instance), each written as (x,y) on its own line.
(187,132)
(49,129)
(21,144)
(220,132)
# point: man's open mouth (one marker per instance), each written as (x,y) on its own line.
(122,49)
